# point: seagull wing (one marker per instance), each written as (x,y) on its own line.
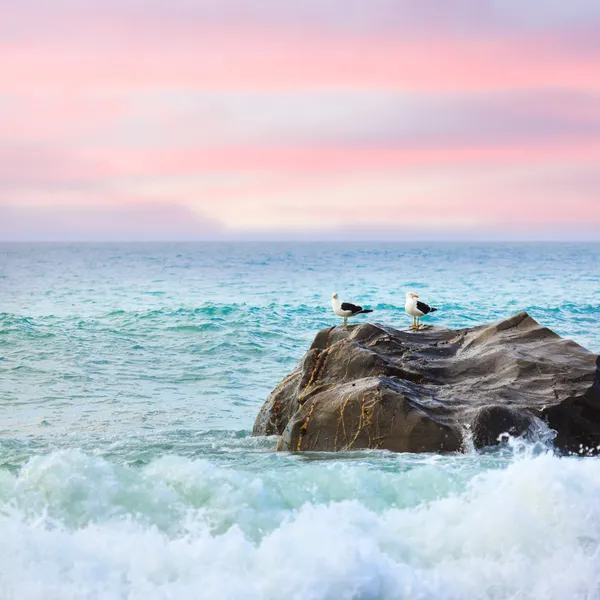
(351,307)
(424,308)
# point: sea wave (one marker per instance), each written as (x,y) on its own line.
(80,527)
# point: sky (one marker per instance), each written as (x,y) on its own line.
(308,119)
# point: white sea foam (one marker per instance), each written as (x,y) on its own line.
(75,526)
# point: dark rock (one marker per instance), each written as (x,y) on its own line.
(435,390)
(493,424)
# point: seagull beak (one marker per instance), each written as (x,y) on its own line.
(415,296)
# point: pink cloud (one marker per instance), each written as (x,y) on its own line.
(251,58)
(56,115)
(117,103)
(95,166)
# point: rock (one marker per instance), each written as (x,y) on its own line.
(436,390)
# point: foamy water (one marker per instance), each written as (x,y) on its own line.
(77,526)
(129,380)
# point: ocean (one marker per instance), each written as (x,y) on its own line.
(130,377)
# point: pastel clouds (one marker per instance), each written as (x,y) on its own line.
(252,58)
(273,119)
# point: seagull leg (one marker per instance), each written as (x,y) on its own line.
(414,325)
(346,322)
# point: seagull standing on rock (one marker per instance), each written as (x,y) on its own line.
(416,309)
(345,309)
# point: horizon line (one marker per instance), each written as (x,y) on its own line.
(307,241)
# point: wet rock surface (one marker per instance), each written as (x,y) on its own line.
(436,390)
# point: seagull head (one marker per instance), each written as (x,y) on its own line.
(334,296)
(411,295)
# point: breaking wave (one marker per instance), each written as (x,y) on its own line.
(79,526)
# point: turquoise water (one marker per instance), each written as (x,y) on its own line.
(130,376)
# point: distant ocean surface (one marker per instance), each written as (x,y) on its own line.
(130,377)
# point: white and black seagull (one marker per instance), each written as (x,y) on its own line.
(345,309)
(416,309)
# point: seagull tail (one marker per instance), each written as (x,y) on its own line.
(365,310)
(433,309)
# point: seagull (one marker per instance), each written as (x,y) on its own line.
(345,309)
(416,309)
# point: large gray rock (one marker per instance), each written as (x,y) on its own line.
(436,390)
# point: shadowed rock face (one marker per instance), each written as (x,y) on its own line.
(435,390)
